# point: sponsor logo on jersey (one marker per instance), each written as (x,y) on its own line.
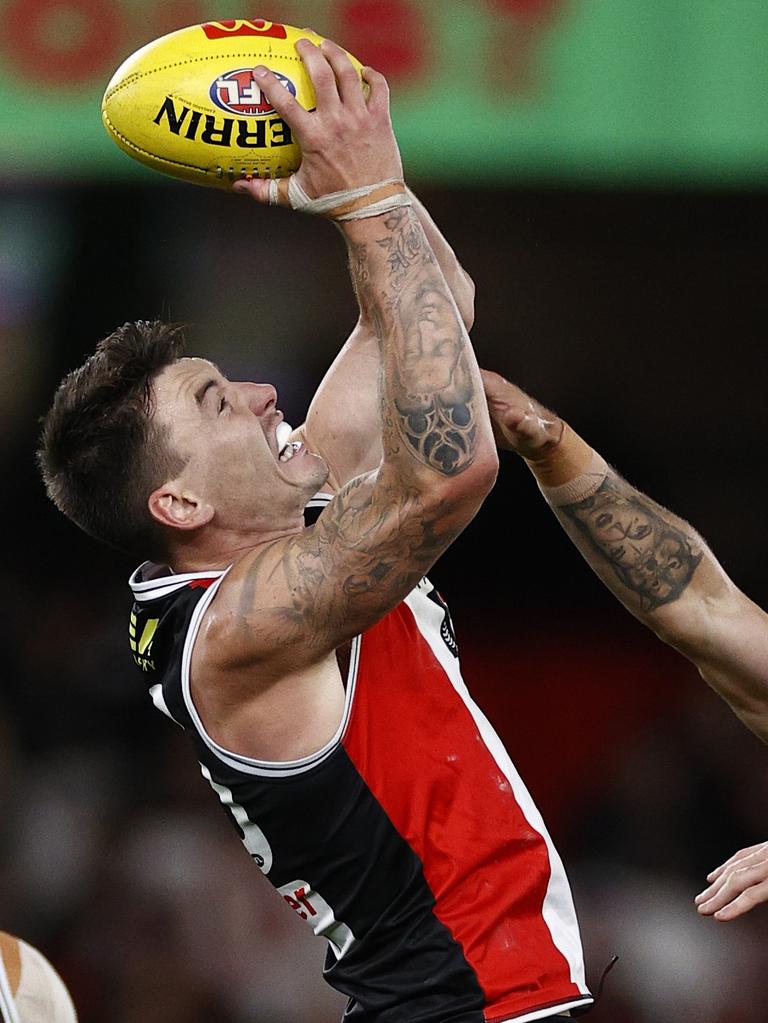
(244,27)
(238,92)
(141,646)
(309,905)
(447,632)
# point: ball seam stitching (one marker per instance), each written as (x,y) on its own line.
(145,152)
(136,75)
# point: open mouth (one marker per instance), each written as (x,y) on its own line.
(286,448)
(290,449)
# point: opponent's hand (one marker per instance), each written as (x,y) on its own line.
(738,885)
(520,423)
(347,141)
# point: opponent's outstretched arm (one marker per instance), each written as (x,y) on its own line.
(664,573)
(652,560)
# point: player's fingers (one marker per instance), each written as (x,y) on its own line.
(263,190)
(736,858)
(378,96)
(282,101)
(347,79)
(256,188)
(321,73)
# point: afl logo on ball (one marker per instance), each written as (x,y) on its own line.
(238,93)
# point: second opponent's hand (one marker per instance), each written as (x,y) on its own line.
(738,885)
(520,423)
(347,141)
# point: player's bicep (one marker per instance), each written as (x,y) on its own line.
(289,603)
(367,550)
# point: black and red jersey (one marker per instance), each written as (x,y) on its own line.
(409,842)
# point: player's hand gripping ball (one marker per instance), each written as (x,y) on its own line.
(187,104)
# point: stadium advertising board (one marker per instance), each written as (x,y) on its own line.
(485,90)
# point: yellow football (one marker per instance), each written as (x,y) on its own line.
(187,104)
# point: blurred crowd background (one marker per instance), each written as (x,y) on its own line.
(600,168)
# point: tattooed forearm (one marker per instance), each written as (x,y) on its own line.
(407,245)
(430,395)
(651,556)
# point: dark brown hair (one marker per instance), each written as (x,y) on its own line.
(101,455)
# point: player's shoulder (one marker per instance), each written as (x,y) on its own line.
(251,619)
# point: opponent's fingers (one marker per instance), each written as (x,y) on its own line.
(709,892)
(321,74)
(511,417)
(744,902)
(347,79)
(727,888)
(284,104)
(736,858)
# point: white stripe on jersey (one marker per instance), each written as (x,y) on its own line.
(558,910)
(544,1014)
(8,1011)
(164,585)
(254,839)
(156,692)
(249,765)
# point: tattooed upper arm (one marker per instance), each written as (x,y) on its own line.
(305,595)
(637,540)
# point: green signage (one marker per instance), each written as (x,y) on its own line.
(483,90)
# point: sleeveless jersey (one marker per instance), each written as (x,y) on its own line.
(409,841)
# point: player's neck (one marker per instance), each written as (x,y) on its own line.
(216,549)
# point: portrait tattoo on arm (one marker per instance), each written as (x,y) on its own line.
(431,401)
(652,557)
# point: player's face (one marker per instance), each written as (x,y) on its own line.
(228,433)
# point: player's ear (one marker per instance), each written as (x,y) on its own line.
(178,507)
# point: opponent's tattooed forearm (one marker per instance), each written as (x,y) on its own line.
(430,397)
(640,542)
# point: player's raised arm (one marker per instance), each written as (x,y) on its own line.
(343,422)
(653,561)
(386,528)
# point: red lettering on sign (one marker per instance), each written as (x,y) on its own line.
(68,41)
(390,35)
(227,29)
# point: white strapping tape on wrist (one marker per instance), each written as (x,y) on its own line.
(299,200)
(580,488)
